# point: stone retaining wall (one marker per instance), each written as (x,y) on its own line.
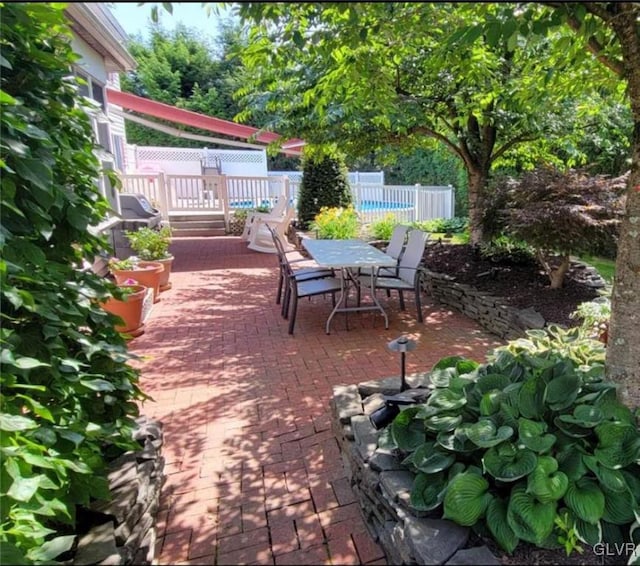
(491,312)
(124,528)
(382,486)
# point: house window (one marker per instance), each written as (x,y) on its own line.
(93,88)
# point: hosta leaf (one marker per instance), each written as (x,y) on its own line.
(585,499)
(442,377)
(588,415)
(465,366)
(561,392)
(570,462)
(484,434)
(618,445)
(428,491)
(496,520)
(430,460)
(456,441)
(506,462)
(570,429)
(613,410)
(407,432)
(492,382)
(466,499)
(613,480)
(490,403)
(442,422)
(531,435)
(545,482)
(531,399)
(618,507)
(448,362)
(589,533)
(446,399)
(529,519)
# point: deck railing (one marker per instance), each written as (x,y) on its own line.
(198,194)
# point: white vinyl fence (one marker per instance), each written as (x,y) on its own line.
(222,193)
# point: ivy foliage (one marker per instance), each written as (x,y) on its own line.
(324,184)
(68,394)
(533,435)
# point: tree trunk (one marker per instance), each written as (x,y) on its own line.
(556,276)
(477,187)
(623,346)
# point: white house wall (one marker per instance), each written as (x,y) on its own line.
(90,61)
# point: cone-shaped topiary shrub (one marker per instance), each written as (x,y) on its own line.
(527,446)
(69,396)
(324,184)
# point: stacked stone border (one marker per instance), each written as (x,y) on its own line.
(382,486)
(491,312)
(124,528)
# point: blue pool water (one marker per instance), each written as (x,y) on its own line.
(365,205)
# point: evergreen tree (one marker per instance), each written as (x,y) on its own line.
(324,183)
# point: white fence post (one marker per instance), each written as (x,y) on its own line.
(163,196)
(417,203)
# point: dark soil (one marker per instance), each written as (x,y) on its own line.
(520,284)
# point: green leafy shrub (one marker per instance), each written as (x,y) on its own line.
(69,396)
(324,185)
(506,250)
(383,228)
(336,223)
(534,435)
(454,225)
(150,244)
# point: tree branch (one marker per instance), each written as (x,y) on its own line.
(509,144)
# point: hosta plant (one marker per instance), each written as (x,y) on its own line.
(533,438)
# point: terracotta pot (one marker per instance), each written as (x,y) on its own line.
(129,310)
(147,274)
(164,276)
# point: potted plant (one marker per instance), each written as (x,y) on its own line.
(153,245)
(129,307)
(146,273)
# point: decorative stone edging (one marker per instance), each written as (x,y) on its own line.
(382,486)
(491,312)
(124,531)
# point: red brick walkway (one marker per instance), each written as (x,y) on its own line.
(254,472)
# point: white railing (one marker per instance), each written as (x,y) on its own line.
(221,193)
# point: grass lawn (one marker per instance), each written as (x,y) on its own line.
(452,239)
(606,267)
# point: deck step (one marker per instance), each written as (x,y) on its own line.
(198,224)
(198,232)
(200,217)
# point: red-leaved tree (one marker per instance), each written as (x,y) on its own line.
(562,214)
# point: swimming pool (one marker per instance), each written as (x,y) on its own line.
(374,205)
(362,206)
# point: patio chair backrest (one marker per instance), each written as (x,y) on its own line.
(412,256)
(279,207)
(396,243)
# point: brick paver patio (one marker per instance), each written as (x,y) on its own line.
(254,475)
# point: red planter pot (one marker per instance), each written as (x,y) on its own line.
(164,276)
(129,310)
(147,273)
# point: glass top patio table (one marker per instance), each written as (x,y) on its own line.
(347,255)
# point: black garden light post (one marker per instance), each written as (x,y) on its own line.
(385,414)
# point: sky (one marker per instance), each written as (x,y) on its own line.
(135,19)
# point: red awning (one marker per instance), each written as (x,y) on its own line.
(202,121)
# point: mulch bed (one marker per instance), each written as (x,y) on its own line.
(521,285)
